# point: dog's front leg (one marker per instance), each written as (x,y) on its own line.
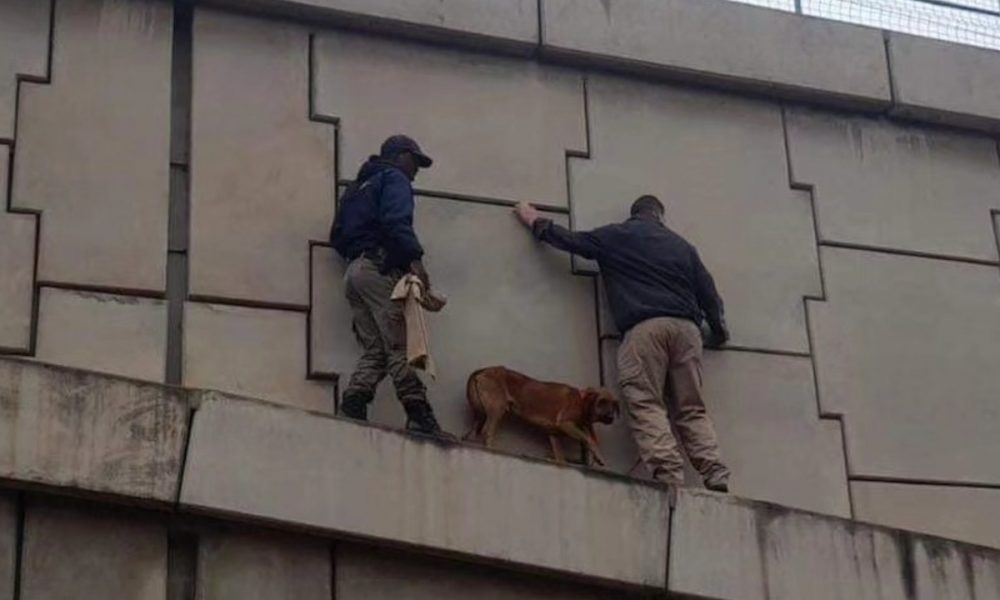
(574,432)
(557,452)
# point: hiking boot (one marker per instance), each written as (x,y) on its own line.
(718,481)
(420,419)
(354,405)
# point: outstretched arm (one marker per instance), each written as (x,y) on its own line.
(710,301)
(581,243)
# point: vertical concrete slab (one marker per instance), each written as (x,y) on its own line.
(8,543)
(93,146)
(17,269)
(365,573)
(74,429)
(24,52)
(949,83)
(511,302)
(111,333)
(251,351)
(906,349)
(725,547)
(256,461)
(945,569)
(904,187)
(496,127)
(77,554)
(765,414)
(718,163)
(261,172)
(257,566)
(967,514)
(725,43)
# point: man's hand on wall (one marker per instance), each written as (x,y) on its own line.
(526,213)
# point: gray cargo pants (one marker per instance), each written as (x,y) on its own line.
(381,330)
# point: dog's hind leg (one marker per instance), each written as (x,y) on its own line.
(493,419)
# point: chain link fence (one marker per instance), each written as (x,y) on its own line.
(972,22)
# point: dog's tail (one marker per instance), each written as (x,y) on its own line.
(472,394)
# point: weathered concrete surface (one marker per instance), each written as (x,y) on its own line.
(946,569)
(68,428)
(251,351)
(280,464)
(24,51)
(262,172)
(116,334)
(906,349)
(771,437)
(718,163)
(93,146)
(8,544)
(949,83)
(365,573)
(511,302)
(76,554)
(724,547)
(496,127)
(257,566)
(723,43)
(17,268)
(962,513)
(879,183)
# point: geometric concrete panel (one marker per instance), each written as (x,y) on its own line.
(512,22)
(76,554)
(728,548)
(961,513)
(261,171)
(24,51)
(496,127)
(17,269)
(92,148)
(718,163)
(724,43)
(119,335)
(68,428)
(365,573)
(243,566)
(271,462)
(511,302)
(8,544)
(944,82)
(252,352)
(907,350)
(879,183)
(765,415)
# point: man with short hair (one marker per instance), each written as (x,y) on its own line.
(373,231)
(659,292)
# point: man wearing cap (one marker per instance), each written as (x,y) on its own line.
(373,231)
(659,292)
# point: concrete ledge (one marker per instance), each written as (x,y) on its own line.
(726,44)
(96,433)
(725,547)
(945,83)
(308,470)
(509,26)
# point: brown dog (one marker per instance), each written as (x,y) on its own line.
(556,408)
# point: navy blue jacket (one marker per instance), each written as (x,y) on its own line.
(376,214)
(648,270)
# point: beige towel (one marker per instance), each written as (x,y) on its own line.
(410,291)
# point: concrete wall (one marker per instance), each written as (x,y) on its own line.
(857,252)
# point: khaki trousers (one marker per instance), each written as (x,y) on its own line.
(380,327)
(662,357)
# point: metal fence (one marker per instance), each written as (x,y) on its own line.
(973,22)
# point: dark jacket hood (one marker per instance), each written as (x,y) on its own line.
(373,166)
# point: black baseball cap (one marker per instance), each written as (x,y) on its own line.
(397,144)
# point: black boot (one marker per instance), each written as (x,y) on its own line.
(420,419)
(354,405)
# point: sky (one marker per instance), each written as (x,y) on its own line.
(919,17)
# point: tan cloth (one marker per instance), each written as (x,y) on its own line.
(410,291)
(655,355)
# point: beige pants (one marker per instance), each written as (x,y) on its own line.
(661,357)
